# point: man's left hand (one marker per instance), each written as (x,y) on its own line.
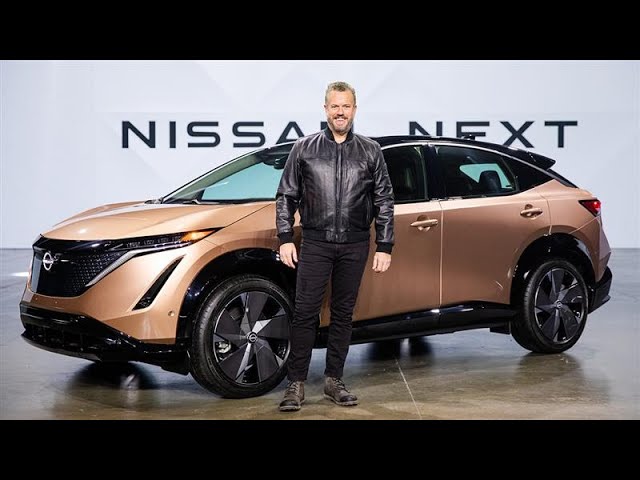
(381,262)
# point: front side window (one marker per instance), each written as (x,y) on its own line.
(406,169)
(252,177)
(470,172)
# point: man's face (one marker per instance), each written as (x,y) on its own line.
(340,111)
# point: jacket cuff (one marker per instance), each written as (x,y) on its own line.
(384,247)
(285,237)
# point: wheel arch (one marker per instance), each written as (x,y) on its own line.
(259,261)
(560,245)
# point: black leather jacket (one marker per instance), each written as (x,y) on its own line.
(339,189)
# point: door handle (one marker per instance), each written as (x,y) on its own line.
(424,224)
(530,211)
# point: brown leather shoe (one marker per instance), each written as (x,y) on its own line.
(335,390)
(293,397)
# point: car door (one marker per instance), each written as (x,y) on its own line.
(412,282)
(487,222)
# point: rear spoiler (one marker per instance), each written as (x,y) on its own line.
(541,161)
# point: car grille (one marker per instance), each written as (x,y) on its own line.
(72,269)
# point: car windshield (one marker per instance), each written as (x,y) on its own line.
(249,178)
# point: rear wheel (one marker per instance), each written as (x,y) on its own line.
(554,308)
(240,341)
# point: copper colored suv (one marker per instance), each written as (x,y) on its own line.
(485,237)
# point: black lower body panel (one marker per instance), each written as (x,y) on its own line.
(85,337)
(428,322)
(600,293)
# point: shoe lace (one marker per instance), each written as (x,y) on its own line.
(339,384)
(293,388)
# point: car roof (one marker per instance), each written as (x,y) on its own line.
(536,159)
(524,155)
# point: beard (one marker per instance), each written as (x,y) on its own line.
(340,127)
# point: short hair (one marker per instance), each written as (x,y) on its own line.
(340,87)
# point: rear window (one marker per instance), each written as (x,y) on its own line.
(526,176)
(470,172)
(476,170)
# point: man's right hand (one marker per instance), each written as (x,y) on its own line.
(288,254)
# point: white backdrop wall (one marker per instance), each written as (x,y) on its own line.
(61,123)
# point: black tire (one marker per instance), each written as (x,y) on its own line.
(553,308)
(240,342)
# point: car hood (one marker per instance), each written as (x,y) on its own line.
(138,219)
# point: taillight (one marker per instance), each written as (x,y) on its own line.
(592,205)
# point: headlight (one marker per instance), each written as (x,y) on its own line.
(134,247)
(162,242)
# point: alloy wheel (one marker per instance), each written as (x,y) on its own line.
(251,338)
(560,305)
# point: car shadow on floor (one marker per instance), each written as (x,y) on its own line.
(393,349)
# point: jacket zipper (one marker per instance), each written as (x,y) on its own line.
(339,190)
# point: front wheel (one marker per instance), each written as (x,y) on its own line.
(240,341)
(554,308)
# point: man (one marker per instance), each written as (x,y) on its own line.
(339,182)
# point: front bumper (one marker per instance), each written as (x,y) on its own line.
(600,293)
(85,337)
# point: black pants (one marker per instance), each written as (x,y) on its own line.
(317,261)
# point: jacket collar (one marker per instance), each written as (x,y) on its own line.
(329,134)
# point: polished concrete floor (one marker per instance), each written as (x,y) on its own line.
(465,375)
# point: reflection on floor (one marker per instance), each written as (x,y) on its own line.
(466,375)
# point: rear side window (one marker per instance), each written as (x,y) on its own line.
(469,172)
(526,176)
